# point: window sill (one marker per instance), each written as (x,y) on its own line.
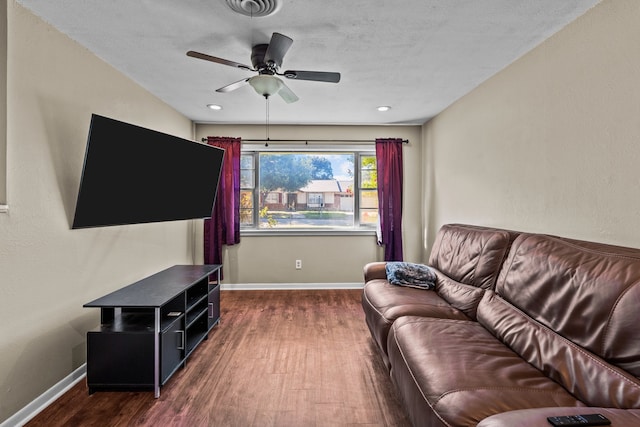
(322,233)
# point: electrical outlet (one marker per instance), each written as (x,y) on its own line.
(298,264)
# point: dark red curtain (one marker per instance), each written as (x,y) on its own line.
(389,164)
(224,226)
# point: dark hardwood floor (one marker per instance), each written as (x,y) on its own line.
(278,358)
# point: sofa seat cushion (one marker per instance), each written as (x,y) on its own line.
(454,372)
(383,303)
(538,417)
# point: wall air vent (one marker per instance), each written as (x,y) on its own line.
(254,8)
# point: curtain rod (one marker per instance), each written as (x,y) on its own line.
(306,141)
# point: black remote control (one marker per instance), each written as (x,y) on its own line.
(579,420)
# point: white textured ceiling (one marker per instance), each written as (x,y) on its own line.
(417,56)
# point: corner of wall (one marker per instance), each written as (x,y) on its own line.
(428,191)
(3,105)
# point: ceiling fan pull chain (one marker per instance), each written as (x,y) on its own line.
(266,144)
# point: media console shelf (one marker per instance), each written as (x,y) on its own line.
(149,328)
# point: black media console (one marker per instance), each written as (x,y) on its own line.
(149,328)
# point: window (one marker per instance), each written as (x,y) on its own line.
(247,185)
(368,190)
(315,200)
(322,190)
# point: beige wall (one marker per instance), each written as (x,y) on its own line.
(329,259)
(551,143)
(47,270)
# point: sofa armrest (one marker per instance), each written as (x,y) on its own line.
(538,417)
(375,270)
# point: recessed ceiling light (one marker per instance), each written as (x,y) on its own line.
(384,108)
(214,106)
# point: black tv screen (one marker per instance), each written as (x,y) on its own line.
(135,175)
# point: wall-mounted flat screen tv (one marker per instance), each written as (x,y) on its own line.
(135,175)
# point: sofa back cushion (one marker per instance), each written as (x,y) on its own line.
(467,260)
(471,254)
(557,297)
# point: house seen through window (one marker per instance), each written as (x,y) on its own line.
(308,191)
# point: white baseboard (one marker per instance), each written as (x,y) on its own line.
(287,286)
(25,414)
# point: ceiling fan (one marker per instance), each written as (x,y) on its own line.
(267,60)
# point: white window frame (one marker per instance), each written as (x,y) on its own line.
(315,200)
(275,147)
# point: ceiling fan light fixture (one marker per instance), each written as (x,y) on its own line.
(254,8)
(266,85)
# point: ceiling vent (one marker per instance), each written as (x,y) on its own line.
(254,8)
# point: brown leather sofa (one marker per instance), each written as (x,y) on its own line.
(520,327)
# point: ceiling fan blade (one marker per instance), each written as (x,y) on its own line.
(316,76)
(206,57)
(278,47)
(233,86)
(287,94)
